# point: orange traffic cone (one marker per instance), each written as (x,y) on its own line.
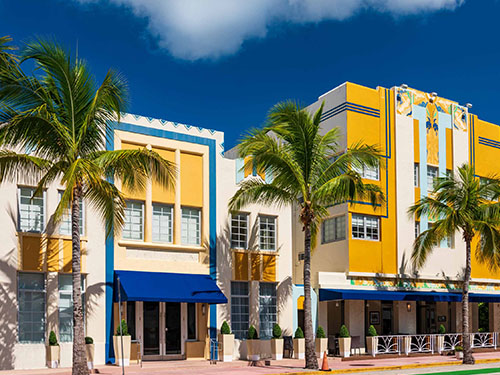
(324,366)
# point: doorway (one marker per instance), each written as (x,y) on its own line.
(426,322)
(161,330)
(387,313)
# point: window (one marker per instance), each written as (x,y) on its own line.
(31,211)
(416,175)
(267,309)
(432,173)
(239,308)
(66,306)
(365,227)
(131,319)
(267,233)
(370,173)
(333,229)
(31,300)
(450,244)
(239,231)
(133,227)
(190,226)
(417,229)
(191,309)
(65,226)
(162,223)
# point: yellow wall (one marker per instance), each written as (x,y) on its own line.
(160,193)
(136,194)
(191,180)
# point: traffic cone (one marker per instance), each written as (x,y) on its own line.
(324,366)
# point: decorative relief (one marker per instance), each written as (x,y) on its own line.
(412,284)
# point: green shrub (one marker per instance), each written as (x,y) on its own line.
(372,331)
(344,332)
(53,339)
(276,331)
(225,329)
(481,330)
(252,333)
(89,340)
(441,329)
(458,348)
(124,331)
(320,333)
(299,334)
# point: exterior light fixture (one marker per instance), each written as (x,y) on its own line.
(408,307)
(404,86)
(204,309)
(468,105)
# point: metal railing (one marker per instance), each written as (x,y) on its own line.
(430,343)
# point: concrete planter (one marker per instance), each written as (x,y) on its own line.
(459,355)
(321,347)
(227,350)
(89,352)
(118,350)
(253,350)
(406,344)
(299,348)
(371,345)
(440,343)
(345,346)
(277,349)
(53,356)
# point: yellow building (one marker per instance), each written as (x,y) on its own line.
(362,272)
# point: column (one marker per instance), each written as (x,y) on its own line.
(177,204)
(405,317)
(494,312)
(323,315)
(354,318)
(253,302)
(148,209)
(52,304)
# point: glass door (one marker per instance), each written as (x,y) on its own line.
(151,319)
(172,328)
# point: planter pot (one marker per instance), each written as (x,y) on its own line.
(371,345)
(321,347)
(345,346)
(53,355)
(277,349)
(227,350)
(299,348)
(459,355)
(440,343)
(406,344)
(118,350)
(253,350)
(89,352)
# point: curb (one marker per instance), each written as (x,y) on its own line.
(388,368)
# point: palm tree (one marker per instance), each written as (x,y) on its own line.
(467,205)
(63,116)
(310,171)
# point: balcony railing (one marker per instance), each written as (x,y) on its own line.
(430,343)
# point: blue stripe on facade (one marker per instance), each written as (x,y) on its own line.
(212,215)
(353,107)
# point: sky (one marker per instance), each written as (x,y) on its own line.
(222,64)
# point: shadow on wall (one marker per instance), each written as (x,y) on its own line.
(8,310)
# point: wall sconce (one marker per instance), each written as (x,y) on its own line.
(408,307)
(204,309)
(337,304)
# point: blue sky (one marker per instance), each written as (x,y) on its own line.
(224,65)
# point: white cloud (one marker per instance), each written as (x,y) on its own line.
(209,29)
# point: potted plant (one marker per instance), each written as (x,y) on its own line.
(122,333)
(53,351)
(226,338)
(299,344)
(459,352)
(321,342)
(277,343)
(253,344)
(440,338)
(344,341)
(372,341)
(89,351)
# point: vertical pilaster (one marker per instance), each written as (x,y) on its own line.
(254,304)
(52,303)
(177,204)
(148,209)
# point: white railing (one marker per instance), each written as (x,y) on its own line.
(430,343)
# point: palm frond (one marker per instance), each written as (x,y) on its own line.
(14,165)
(254,190)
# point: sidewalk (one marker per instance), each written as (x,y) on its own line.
(289,366)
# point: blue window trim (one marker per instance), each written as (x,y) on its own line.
(137,129)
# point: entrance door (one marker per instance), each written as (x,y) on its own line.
(426,322)
(172,328)
(151,313)
(387,318)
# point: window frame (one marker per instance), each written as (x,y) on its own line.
(44,208)
(44,292)
(335,219)
(365,172)
(70,293)
(274,298)
(238,333)
(142,203)
(275,231)
(365,227)
(430,186)
(416,175)
(170,234)
(247,215)
(199,239)
(82,213)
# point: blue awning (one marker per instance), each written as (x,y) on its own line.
(167,287)
(483,297)
(387,295)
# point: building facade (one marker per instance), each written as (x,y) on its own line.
(183,264)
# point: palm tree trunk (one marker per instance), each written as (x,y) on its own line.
(311,360)
(468,358)
(79,357)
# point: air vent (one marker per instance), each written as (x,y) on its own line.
(301,256)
